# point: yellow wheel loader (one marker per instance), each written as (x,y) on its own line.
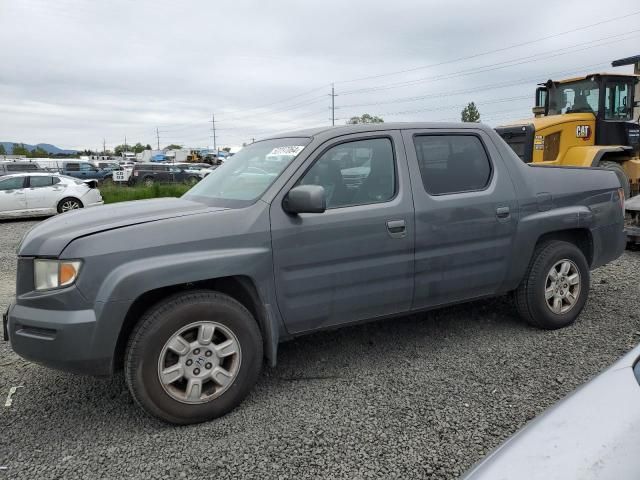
(590,121)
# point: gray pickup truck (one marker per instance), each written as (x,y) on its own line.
(306,231)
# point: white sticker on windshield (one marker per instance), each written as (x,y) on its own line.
(292,150)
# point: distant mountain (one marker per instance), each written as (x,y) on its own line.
(47,147)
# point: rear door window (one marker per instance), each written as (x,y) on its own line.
(452,163)
(21,167)
(37,182)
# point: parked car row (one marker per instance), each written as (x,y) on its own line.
(151,173)
(120,172)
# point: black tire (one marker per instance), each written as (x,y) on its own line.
(620,173)
(164,320)
(530,295)
(62,204)
(148,181)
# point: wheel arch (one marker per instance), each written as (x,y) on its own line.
(239,287)
(618,154)
(580,237)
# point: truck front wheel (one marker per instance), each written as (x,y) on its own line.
(193,357)
(556,286)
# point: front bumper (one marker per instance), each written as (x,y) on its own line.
(62,339)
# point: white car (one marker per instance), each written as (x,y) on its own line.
(40,194)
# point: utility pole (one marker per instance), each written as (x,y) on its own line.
(104,147)
(158,137)
(333,105)
(213,127)
(253,140)
(125,144)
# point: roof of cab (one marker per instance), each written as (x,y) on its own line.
(373,127)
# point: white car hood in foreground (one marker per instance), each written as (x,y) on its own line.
(592,434)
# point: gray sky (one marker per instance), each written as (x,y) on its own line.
(73,72)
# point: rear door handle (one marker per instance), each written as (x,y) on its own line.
(502,212)
(396,228)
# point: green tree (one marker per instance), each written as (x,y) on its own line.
(138,148)
(365,118)
(470,113)
(148,147)
(2,150)
(20,149)
(38,153)
(226,149)
(173,146)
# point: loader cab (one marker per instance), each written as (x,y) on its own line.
(609,97)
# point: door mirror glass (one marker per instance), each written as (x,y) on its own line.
(305,199)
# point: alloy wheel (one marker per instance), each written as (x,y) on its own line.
(199,362)
(562,287)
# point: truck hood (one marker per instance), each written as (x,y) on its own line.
(50,237)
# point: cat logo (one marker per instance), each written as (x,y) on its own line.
(583,131)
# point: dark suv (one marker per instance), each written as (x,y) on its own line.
(7,168)
(150,173)
(85,170)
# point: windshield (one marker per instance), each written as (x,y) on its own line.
(243,178)
(573,97)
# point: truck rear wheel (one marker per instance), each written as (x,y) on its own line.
(620,173)
(556,286)
(193,357)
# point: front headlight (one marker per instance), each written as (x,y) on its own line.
(50,274)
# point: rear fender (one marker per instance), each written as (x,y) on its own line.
(532,227)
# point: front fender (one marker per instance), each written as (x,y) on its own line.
(587,156)
(130,280)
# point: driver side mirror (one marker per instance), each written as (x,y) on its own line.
(305,199)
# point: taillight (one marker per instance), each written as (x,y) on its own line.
(621,199)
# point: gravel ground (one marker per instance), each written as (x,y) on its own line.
(423,396)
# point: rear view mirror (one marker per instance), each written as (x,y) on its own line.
(305,199)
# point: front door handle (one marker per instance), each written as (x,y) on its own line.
(502,212)
(396,228)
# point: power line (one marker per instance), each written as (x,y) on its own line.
(489,52)
(470,90)
(494,66)
(449,107)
